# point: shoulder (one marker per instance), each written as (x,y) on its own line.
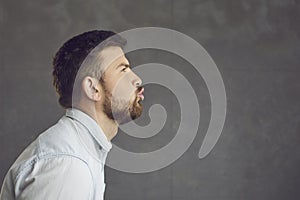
(57,145)
(61,137)
(58,139)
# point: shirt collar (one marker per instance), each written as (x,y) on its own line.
(94,129)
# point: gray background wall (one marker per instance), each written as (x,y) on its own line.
(256,46)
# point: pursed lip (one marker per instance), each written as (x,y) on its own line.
(141,91)
(140,94)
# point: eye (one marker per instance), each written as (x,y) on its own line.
(124,69)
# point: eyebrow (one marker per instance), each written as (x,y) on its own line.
(123,64)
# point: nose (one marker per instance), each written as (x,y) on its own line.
(137,81)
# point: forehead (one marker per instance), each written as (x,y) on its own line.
(111,56)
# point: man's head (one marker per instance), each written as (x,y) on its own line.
(93,66)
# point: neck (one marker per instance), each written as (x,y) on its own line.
(109,126)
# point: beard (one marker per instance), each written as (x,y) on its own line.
(119,109)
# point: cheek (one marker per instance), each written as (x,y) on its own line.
(123,89)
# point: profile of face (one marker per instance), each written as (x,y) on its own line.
(121,87)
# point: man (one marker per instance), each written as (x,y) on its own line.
(99,91)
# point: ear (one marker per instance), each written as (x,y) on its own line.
(92,88)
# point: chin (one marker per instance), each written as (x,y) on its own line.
(133,113)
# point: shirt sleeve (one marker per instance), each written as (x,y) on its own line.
(61,178)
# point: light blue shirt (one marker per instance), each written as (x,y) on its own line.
(66,162)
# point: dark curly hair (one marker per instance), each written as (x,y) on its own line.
(69,58)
